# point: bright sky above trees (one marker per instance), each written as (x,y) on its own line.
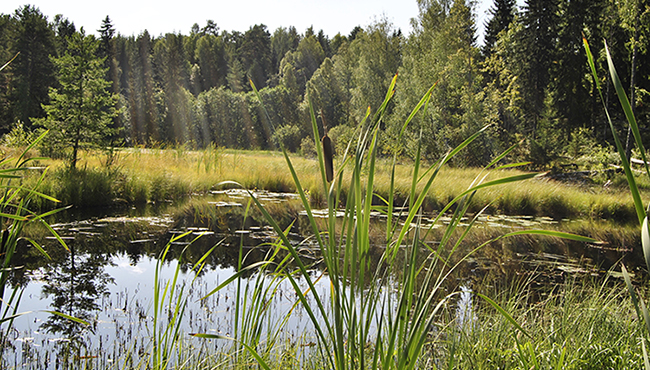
(159,17)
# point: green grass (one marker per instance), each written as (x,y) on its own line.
(15,214)
(160,175)
(636,298)
(573,325)
(360,324)
(415,324)
(396,307)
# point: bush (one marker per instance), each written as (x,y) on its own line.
(19,137)
(341,136)
(307,147)
(289,136)
(165,188)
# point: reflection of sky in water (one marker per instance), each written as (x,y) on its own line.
(125,320)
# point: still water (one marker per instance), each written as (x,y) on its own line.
(108,279)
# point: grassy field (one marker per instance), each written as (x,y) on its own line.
(141,175)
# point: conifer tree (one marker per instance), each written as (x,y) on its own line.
(33,71)
(81,109)
(503,12)
(540,21)
(63,29)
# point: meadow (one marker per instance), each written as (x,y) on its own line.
(140,175)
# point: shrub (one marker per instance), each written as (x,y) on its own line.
(289,136)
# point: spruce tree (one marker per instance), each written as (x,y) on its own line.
(33,71)
(503,12)
(540,21)
(81,109)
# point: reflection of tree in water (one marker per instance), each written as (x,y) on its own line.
(75,285)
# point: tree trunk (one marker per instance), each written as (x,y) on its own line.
(75,150)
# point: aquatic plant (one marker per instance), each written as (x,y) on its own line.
(364,323)
(169,303)
(15,214)
(639,304)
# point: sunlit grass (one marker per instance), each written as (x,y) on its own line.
(141,175)
(571,325)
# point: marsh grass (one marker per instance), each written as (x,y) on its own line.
(169,303)
(637,299)
(15,214)
(361,323)
(574,325)
(161,175)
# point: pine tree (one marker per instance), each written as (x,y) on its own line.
(210,59)
(569,79)
(106,32)
(635,19)
(6,35)
(64,29)
(255,55)
(81,109)
(503,12)
(283,41)
(172,69)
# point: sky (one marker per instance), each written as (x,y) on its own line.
(163,16)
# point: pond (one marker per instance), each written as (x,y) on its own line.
(108,277)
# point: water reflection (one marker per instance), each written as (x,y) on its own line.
(74,285)
(122,248)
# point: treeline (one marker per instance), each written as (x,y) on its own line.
(529,80)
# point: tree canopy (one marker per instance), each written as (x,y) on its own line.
(528,80)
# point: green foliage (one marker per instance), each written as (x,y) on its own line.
(101,187)
(344,136)
(443,52)
(639,304)
(19,137)
(574,326)
(287,136)
(16,202)
(376,57)
(324,91)
(33,73)
(210,55)
(81,110)
(169,304)
(307,147)
(177,88)
(284,40)
(503,12)
(504,104)
(360,325)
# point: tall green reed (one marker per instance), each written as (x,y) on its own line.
(256,329)
(639,304)
(169,303)
(15,214)
(362,322)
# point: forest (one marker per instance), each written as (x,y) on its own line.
(529,82)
